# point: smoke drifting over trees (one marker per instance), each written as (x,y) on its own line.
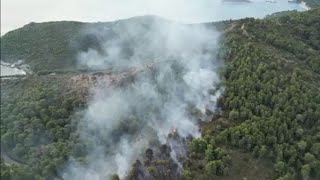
(177,68)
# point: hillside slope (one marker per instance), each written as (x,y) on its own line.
(41,45)
(55,45)
(271,105)
(269,123)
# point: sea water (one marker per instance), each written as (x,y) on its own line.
(185,11)
(217,10)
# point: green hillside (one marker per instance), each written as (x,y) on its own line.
(269,127)
(54,45)
(41,45)
(271,103)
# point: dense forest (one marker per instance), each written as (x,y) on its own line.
(271,102)
(268,126)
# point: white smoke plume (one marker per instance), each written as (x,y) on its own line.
(177,69)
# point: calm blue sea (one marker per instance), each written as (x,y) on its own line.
(216,10)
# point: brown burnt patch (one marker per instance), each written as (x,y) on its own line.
(82,84)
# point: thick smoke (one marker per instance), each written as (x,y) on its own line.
(168,70)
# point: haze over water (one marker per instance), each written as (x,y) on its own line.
(191,11)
